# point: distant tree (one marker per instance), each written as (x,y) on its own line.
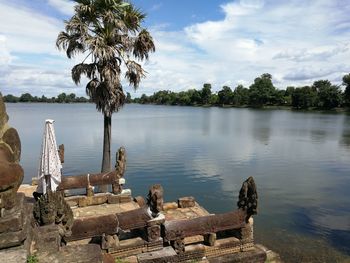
(43,99)
(26,97)
(328,95)
(184,98)
(346,83)
(61,98)
(240,96)
(195,96)
(128,97)
(214,99)
(206,93)
(225,96)
(262,91)
(304,98)
(10,98)
(279,97)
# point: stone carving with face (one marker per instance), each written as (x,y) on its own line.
(155,199)
(11,173)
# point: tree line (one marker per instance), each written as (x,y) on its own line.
(322,94)
(61,98)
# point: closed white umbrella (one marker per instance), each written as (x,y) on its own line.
(49,173)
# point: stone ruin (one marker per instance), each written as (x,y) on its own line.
(150,233)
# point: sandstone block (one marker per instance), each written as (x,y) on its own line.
(185,202)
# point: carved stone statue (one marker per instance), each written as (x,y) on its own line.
(155,199)
(120,167)
(11,173)
(248,198)
(51,208)
(121,162)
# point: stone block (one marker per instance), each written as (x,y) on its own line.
(18,255)
(210,239)
(13,219)
(185,202)
(153,233)
(113,199)
(155,256)
(75,253)
(82,202)
(170,206)
(47,238)
(125,198)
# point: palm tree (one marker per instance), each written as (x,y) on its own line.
(109,34)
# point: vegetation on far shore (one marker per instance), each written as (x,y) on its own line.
(322,94)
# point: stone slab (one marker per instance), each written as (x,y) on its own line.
(156,256)
(13,220)
(78,254)
(255,255)
(18,255)
(47,238)
(16,238)
(187,201)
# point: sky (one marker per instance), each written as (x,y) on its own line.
(217,42)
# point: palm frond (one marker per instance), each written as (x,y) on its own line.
(143,45)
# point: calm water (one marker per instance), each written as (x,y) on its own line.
(300,161)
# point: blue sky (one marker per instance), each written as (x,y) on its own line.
(220,42)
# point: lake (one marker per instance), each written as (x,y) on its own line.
(300,162)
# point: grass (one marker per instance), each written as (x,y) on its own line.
(32,259)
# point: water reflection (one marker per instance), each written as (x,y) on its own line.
(262,126)
(300,162)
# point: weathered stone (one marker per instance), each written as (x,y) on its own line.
(185,202)
(125,198)
(255,255)
(11,176)
(11,138)
(157,256)
(74,253)
(169,206)
(209,239)
(113,199)
(153,233)
(47,238)
(140,201)
(89,191)
(51,208)
(13,221)
(248,198)
(3,115)
(109,242)
(15,238)
(155,199)
(11,255)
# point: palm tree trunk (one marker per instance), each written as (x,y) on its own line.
(106,157)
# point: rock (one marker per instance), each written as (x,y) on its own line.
(185,202)
(3,115)
(11,138)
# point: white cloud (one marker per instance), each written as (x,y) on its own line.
(295,41)
(64,6)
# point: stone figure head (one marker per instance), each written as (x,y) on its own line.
(11,173)
(155,199)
